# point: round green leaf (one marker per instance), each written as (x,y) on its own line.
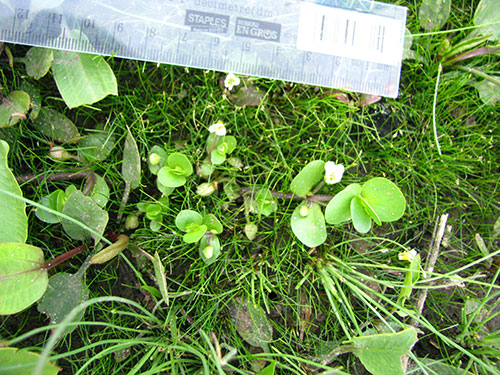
(433,14)
(214,251)
(217,158)
(309,229)
(487,13)
(263,202)
(38,61)
(65,292)
(187,217)
(162,154)
(22,281)
(167,178)
(17,102)
(56,126)
(178,161)
(96,146)
(100,191)
(360,218)
(339,208)
(231,143)
(22,362)
(370,211)
(195,233)
(213,224)
(308,178)
(385,198)
(46,217)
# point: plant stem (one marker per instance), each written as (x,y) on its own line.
(63,257)
(54,177)
(479,74)
(476,52)
(318,197)
(440,69)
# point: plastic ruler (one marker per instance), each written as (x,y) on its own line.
(348,44)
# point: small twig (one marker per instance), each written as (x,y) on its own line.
(54,177)
(430,263)
(63,257)
(126,194)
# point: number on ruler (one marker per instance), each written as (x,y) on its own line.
(55,18)
(22,14)
(88,23)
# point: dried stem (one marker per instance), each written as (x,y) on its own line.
(54,177)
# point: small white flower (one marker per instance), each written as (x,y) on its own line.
(218,128)
(333,172)
(408,255)
(231,81)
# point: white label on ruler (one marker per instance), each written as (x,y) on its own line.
(348,33)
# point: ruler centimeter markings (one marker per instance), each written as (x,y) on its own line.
(355,45)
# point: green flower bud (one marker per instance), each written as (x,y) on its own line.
(154,159)
(304,211)
(208,251)
(131,222)
(251,231)
(205,189)
(59,153)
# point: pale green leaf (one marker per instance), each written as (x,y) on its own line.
(38,61)
(131,166)
(96,146)
(213,224)
(111,251)
(13,108)
(168,178)
(88,212)
(83,78)
(360,218)
(263,202)
(22,281)
(489,92)
(487,12)
(247,96)
(308,178)
(100,191)
(433,14)
(381,353)
(22,362)
(210,255)
(64,293)
(251,322)
(161,279)
(13,219)
(385,198)
(186,218)
(338,209)
(180,163)
(308,224)
(195,233)
(56,126)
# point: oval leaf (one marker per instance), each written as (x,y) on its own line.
(487,12)
(131,166)
(309,229)
(178,161)
(339,208)
(360,218)
(187,217)
(21,362)
(263,202)
(22,281)
(65,292)
(111,251)
(381,354)
(433,14)
(96,146)
(88,212)
(13,219)
(251,323)
(213,224)
(195,234)
(308,178)
(83,78)
(169,179)
(100,191)
(38,61)
(385,198)
(56,126)
(214,251)
(13,108)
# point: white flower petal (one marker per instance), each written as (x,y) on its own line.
(333,172)
(217,128)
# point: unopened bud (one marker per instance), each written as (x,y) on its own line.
(205,189)
(154,159)
(59,153)
(131,222)
(208,251)
(251,231)
(304,211)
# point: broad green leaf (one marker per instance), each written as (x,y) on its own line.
(269,369)
(56,126)
(13,108)
(96,146)
(195,233)
(213,224)
(131,166)
(13,219)
(434,14)
(38,61)
(186,218)
(338,209)
(251,230)
(217,158)
(360,218)
(157,161)
(179,162)
(209,249)
(231,143)
(87,211)
(251,323)
(308,224)
(408,53)
(411,278)
(47,217)
(487,12)
(263,202)
(435,366)
(22,281)
(165,190)
(22,362)
(385,198)
(65,292)
(370,211)
(168,178)
(83,78)
(308,178)
(381,354)
(111,251)
(100,191)
(489,92)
